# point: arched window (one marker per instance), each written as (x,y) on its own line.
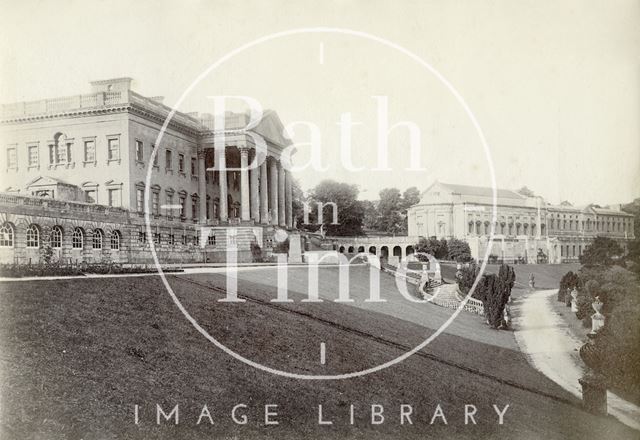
(77,239)
(115,240)
(6,235)
(98,237)
(33,236)
(56,237)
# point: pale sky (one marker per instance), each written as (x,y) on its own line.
(553,84)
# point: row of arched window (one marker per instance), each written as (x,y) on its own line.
(34,237)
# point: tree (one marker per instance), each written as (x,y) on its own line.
(459,250)
(350,210)
(526,192)
(493,290)
(370,214)
(410,197)
(389,208)
(602,252)
(389,211)
(432,246)
(634,208)
(298,198)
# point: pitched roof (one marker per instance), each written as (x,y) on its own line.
(483,191)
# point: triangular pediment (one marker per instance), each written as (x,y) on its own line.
(272,128)
(45,181)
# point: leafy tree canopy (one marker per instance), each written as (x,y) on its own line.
(350,209)
(603,251)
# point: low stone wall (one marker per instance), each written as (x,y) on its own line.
(124,235)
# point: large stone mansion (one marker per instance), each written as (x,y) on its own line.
(74,177)
(527,228)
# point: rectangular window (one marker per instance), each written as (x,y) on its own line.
(91,195)
(156,238)
(183,205)
(168,160)
(169,203)
(140,199)
(113,148)
(181,163)
(194,167)
(155,158)
(61,153)
(90,151)
(114,197)
(33,156)
(12,157)
(142,236)
(172,239)
(194,210)
(155,203)
(139,152)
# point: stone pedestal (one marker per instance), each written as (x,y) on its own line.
(594,394)
(295,250)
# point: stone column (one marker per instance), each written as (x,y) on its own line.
(255,193)
(202,187)
(273,183)
(281,195)
(289,198)
(222,182)
(264,194)
(245,204)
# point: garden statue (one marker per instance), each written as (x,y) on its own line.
(574,300)
(597,319)
(506,317)
(532,281)
(458,271)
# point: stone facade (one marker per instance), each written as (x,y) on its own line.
(81,163)
(527,228)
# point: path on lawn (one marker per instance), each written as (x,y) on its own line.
(553,350)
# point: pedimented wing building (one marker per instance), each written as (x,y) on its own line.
(78,165)
(527,229)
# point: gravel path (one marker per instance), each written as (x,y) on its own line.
(553,350)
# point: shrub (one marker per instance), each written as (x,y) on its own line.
(603,251)
(568,281)
(459,250)
(256,253)
(281,247)
(493,290)
(614,352)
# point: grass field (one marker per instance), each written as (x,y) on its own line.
(547,276)
(77,355)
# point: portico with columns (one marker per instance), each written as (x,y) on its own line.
(249,186)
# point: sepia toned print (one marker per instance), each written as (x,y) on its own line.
(302,220)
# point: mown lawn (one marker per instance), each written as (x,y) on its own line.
(547,276)
(77,355)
